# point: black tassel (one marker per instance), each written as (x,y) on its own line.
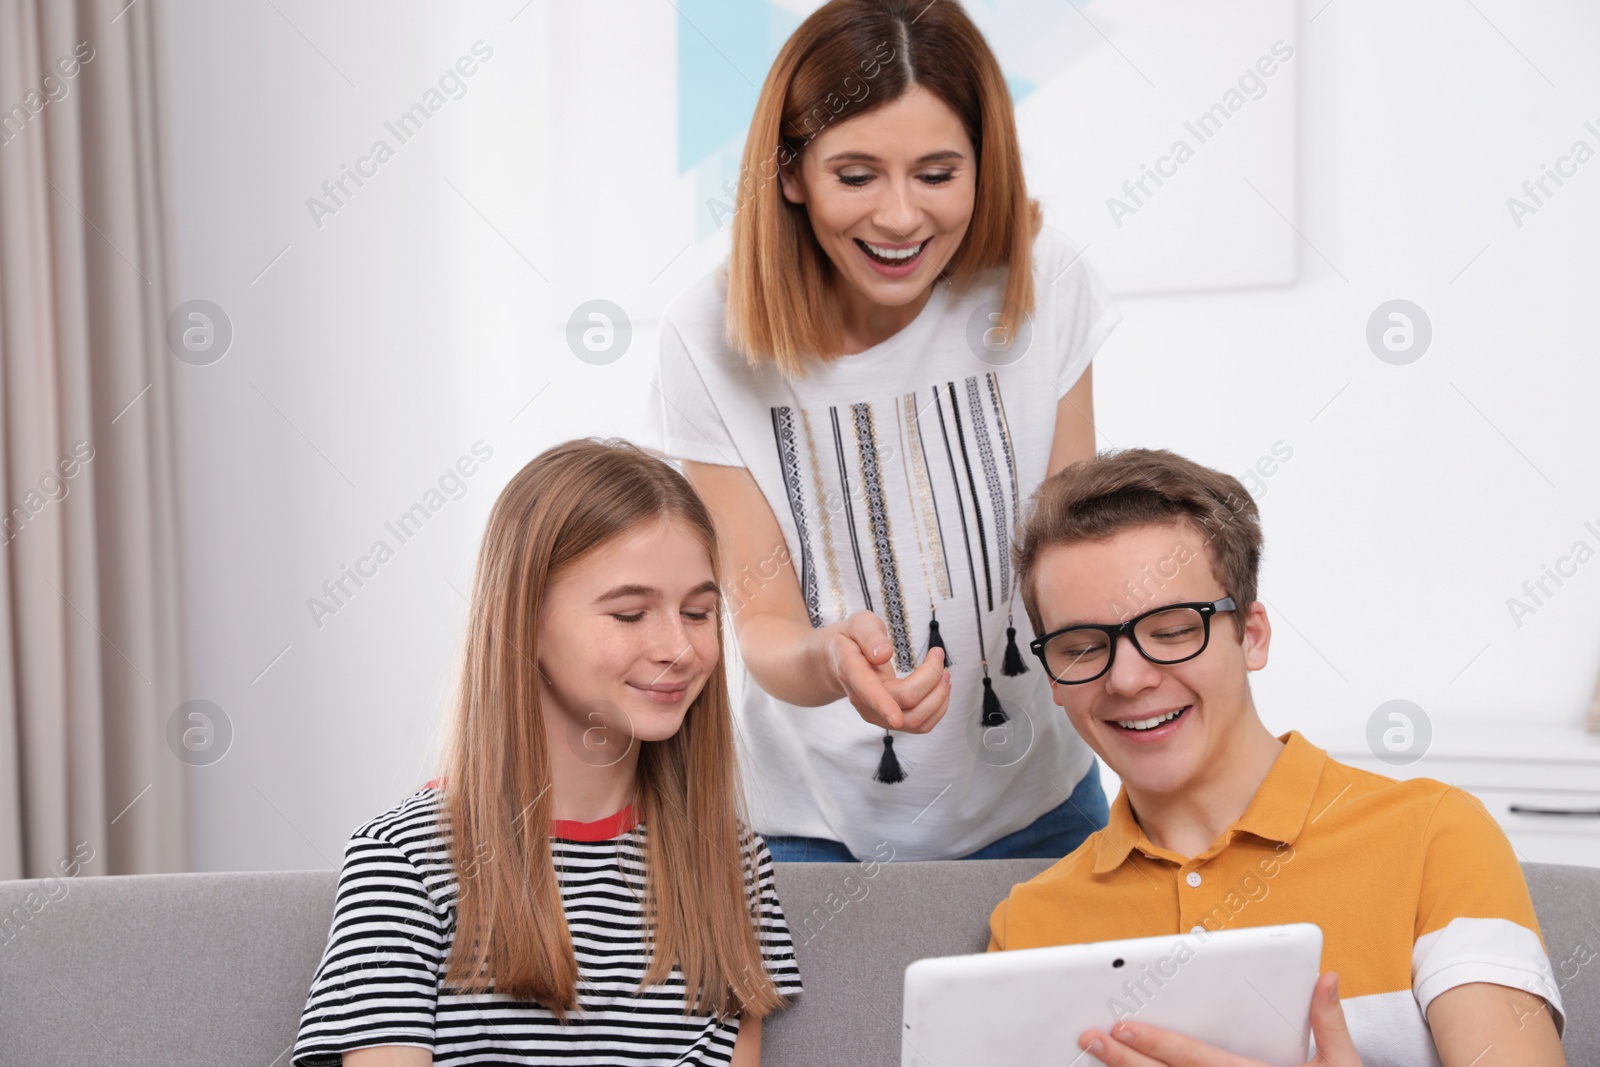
(935,641)
(889,770)
(1012,665)
(993,713)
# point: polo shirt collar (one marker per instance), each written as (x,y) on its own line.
(1277,812)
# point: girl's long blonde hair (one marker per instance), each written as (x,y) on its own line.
(848,58)
(511,929)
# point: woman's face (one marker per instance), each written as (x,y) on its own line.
(627,640)
(899,179)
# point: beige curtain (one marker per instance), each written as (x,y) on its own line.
(91,656)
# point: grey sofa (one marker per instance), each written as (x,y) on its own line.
(213,968)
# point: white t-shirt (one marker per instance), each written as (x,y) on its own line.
(896,475)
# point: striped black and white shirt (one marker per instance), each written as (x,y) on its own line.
(378,982)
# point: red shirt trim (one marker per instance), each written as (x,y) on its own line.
(573,830)
(599,830)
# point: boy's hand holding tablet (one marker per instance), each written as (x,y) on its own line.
(1135,1044)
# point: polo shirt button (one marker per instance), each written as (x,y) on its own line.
(1197,929)
(1193,878)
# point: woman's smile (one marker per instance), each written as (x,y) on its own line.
(894,261)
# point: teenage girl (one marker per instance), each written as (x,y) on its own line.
(579,885)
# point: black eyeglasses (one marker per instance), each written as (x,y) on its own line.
(1169,634)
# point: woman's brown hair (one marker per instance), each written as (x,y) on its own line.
(847,59)
(568,502)
(1099,497)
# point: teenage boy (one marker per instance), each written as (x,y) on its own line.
(1138,570)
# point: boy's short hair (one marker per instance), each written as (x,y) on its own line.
(1097,498)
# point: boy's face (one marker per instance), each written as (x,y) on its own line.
(1115,579)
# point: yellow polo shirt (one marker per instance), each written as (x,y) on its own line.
(1413,883)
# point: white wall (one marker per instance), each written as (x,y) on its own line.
(367,359)
(421,318)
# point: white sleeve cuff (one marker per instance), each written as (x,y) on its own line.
(1484,950)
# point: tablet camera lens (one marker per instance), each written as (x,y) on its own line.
(1116,963)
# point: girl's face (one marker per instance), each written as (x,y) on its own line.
(899,179)
(627,640)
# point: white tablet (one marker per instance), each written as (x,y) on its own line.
(1246,990)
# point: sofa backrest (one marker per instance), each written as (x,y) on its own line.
(199,969)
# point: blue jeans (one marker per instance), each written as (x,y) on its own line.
(1050,836)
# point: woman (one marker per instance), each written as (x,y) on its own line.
(849,396)
(499,914)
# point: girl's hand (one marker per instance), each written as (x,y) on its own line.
(858,657)
(1142,1045)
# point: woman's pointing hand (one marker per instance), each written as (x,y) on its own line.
(860,657)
